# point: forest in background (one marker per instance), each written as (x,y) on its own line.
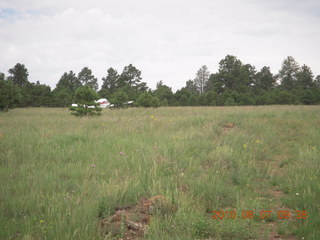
(235,83)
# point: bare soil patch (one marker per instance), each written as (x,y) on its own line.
(227,127)
(276,195)
(132,222)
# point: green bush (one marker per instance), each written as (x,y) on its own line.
(193,100)
(9,95)
(230,102)
(119,98)
(147,100)
(85,97)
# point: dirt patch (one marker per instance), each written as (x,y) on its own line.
(227,127)
(132,222)
(275,236)
(276,195)
(183,187)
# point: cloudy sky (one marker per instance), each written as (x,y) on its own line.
(167,40)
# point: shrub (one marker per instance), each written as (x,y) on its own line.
(230,102)
(147,100)
(85,97)
(193,100)
(119,98)
(9,95)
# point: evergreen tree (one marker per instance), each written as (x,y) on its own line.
(193,100)
(305,78)
(211,98)
(86,78)
(104,93)
(284,97)
(215,83)
(288,73)
(202,100)
(317,82)
(230,102)
(309,96)
(110,82)
(69,81)
(265,79)
(147,100)
(64,93)
(164,94)
(9,94)
(131,77)
(2,76)
(184,100)
(19,75)
(130,82)
(182,96)
(230,73)
(36,95)
(191,87)
(119,98)
(247,78)
(85,97)
(62,97)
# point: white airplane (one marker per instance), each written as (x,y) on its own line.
(103,103)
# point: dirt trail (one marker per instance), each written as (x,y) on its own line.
(276,195)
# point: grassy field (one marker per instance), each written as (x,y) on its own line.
(60,175)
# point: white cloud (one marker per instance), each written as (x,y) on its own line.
(167,40)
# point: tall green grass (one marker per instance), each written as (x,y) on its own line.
(59,173)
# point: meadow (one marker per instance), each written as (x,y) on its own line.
(61,175)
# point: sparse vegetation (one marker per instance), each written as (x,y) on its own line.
(61,175)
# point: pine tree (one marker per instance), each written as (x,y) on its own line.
(265,79)
(9,93)
(64,93)
(86,78)
(85,97)
(110,82)
(305,78)
(19,75)
(288,73)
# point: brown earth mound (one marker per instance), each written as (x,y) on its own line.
(131,222)
(227,127)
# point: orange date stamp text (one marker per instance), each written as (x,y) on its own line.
(263,214)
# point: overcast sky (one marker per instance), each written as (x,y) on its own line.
(167,40)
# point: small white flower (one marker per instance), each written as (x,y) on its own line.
(297,194)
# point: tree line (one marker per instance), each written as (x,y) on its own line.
(235,83)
